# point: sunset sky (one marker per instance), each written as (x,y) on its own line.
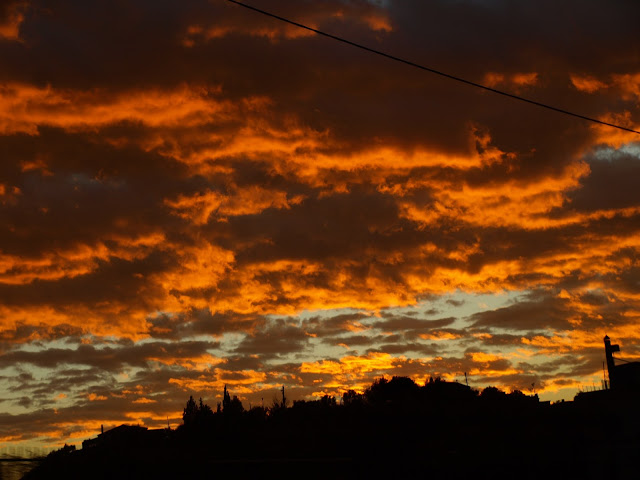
(193,194)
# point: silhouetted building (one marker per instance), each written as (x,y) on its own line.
(124,435)
(624,377)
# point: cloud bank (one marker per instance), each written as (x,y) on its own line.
(198,196)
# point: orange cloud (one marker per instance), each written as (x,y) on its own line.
(10,26)
(440,335)
(351,365)
(374,19)
(76,261)
(525,79)
(201,266)
(9,195)
(144,400)
(629,83)
(351,372)
(38,164)
(108,319)
(272,193)
(587,84)
(522,79)
(25,107)
(614,137)
(197,363)
(92,397)
(514,202)
(241,201)
(244,382)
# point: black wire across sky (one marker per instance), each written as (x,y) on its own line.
(434,71)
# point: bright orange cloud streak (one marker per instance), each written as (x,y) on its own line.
(24,107)
(587,84)
(81,260)
(375,20)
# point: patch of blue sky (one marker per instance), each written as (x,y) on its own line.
(609,154)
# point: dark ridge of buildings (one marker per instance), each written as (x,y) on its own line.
(126,435)
(624,377)
(621,388)
(395,429)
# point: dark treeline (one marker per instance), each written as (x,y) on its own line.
(395,428)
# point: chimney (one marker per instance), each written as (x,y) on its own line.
(611,366)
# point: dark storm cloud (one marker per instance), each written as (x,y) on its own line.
(539,312)
(401,323)
(403,348)
(109,358)
(201,322)
(345,101)
(496,340)
(23,333)
(118,192)
(455,303)
(323,326)
(245,362)
(150,42)
(308,231)
(360,340)
(274,339)
(119,279)
(610,184)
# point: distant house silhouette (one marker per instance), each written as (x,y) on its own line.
(123,435)
(625,377)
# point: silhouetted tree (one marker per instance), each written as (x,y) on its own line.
(276,405)
(493,394)
(230,406)
(327,401)
(204,411)
(257,414)
(196,413)
(351,397)
(226,398)
(234,407)
(190,412)
(398,390)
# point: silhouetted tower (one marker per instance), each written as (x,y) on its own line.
(611,366)
(284,400)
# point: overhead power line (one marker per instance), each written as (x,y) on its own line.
(431,70)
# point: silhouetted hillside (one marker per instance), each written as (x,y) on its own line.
(395,428)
